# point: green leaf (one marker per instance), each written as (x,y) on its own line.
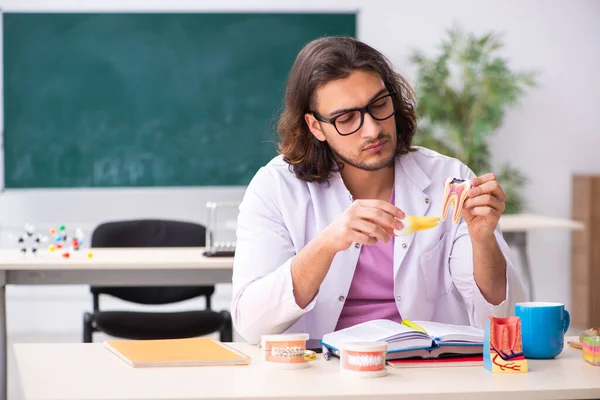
(463,94)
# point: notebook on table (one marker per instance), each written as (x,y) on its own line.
(444,361)
(176,352)
(435,340)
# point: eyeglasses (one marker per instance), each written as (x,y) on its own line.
(352,120)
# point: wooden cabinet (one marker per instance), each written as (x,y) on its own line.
(585,254)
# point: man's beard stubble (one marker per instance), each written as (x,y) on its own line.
(366,167)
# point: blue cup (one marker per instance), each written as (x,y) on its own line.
(543,328)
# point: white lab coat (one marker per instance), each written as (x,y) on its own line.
(433,269)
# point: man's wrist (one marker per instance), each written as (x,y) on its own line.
(324,245)
(486,241)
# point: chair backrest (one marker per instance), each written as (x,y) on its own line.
(151,233)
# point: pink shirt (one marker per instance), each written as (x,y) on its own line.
(371,294)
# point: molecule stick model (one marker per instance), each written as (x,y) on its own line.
(64,242)
(29,240)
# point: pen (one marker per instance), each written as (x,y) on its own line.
(412,325)
(326,353)
(309,355)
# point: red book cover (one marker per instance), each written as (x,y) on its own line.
(464,361)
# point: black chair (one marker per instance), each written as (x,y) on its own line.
(154,325)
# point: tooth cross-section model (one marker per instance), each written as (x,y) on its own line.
(503,345)
(455,193)
(413,223)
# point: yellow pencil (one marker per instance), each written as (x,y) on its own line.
(412,325)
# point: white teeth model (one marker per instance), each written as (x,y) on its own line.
(364,360)
(413,223)
(455,192)
(287,351)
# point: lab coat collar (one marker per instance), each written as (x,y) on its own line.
(413,171)
(406,170)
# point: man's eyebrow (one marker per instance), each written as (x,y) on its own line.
(343,110)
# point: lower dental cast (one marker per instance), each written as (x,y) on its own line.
(455,193)
(365,360)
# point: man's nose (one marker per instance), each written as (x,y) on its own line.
(370,128)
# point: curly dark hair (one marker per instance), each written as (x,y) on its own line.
(319,62)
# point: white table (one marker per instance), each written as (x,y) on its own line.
(515,228)
(170,266)
(89,371)
(125,267)
(532,222)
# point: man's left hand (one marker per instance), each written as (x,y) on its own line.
(483,207)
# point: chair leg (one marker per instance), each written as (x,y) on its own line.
(226,331)
(88,328)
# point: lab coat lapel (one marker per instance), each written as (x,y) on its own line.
(342,270)
(409,184)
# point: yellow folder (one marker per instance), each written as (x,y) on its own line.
(176,352)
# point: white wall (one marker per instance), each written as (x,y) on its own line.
(557,122)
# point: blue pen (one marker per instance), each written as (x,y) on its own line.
(326,353)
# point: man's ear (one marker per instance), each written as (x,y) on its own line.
(314,126)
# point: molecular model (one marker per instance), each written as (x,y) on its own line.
(29,240)
(62,241)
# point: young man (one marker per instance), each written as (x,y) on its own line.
(316,250)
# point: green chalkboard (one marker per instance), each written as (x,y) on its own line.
(147,99)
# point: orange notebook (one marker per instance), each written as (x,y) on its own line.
(176,352)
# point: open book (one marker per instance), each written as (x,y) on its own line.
(438,340)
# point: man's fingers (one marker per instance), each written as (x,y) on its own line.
(369,228)
(379,217)
(483,211)
(477,181)
(381,205)
(490,187)
(484,200)
(364,239)
(390,232)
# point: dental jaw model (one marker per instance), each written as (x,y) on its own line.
(455,193)
(413,223)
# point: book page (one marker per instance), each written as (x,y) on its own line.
(372,331)
(452,333)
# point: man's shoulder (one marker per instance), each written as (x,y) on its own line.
(431,161)
(427,155)
(278,164)
(277,167)
(276,171)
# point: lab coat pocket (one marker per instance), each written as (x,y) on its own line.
(434,268)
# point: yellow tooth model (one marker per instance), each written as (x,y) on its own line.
(455,193)
(413,223)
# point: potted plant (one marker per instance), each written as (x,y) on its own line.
(462,95)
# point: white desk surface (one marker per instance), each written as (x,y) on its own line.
(89,371)
(114,258)
(529,222)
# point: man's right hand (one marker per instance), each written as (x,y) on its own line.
(364,222)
